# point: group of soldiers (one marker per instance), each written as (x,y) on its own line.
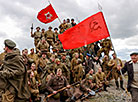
(51,68)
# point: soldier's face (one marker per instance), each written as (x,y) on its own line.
(59,72)
(6,49)
(33,66)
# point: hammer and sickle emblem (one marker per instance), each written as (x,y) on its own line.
(94,25)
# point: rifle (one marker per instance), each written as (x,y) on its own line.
(60,90)
(32,29)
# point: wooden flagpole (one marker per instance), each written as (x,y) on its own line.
(58,16)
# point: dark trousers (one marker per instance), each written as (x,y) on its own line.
(134,94)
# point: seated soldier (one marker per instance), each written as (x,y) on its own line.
(54,84)
(101,79)
(34,82)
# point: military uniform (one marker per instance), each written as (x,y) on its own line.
(42,46)
(33,56)
(50,37)
(113,63)
(2,56)
(14,73)
(63,27)
(54,84)
(64,68)
(37,37)
(106,47)
(78,72)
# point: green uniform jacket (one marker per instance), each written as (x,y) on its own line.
(14,71)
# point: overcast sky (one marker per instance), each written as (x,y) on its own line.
(16,17)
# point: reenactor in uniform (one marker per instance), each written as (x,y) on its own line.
(2,56)
(106,47)
(64,68)
(63,26)
(25,58)
(101,79)
(78,71)
(72,22)
(57,47)
(56,34)
(65,60)
(116,63)
(69,25)
(74,61)
(50,36)
(37,36)
(32,55)
(34,83)
(55,83)
(42,45)
(43,33)
(106,68)
(13,76)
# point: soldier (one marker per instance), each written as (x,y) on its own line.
(50,36)
(101,79)
(25,58)
(14,73)
(43,33)
(106,68)
(37,36)
(106,47)
(57,47)
(55,83)
(78,71)
(64,68)
(115,63)
(63,26)
(42,45)
(72,22)
(74,61)
(34,83)
(69,25)
(2,56)
(32,55)
(56,34)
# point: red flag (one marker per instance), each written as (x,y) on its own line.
(47,15)
(88,31)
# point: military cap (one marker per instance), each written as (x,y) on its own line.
(9,43)
(134,53)
(55,28)
(37,27)
(49,27)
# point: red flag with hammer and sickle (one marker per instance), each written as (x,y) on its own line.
(47,15)
(88,31)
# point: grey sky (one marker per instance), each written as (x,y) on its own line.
(121,17)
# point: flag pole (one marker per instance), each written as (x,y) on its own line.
(100,8)
(58,16)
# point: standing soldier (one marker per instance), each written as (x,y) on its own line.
(55,83)
(72,22)
(25,58)
(69,25)
(37,36)
(63,26)
(50,36)
(43,33)
(42,45)
(65,60)
(115,63)
(56,34)
(106,47)
(13,73)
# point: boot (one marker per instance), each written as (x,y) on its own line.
(105,88)
(117,85)
(121,85)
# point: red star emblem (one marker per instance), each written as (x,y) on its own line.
(48,15)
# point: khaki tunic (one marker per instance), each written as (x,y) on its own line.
(115,71)
(50,37)
(33,56)
(42,46)
(37,36)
